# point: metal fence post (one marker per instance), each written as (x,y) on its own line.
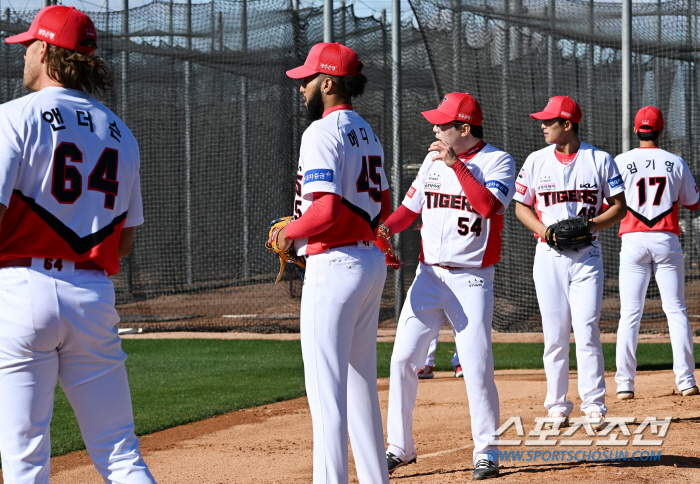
(589,72)
(244,142)
(188,144)
(626,74)
(456,44)
(328,21)
(396,167)
(551,47)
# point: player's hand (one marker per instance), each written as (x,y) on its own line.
(283,242)
(444,152)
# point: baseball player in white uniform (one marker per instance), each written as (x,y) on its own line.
(657,183)
(69,204)
(342,193)
(563,180)
(461,191)
(426,373)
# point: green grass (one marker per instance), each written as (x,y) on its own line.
(174,382)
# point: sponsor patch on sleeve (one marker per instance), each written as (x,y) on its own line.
(615,181)
(498,186)
(324,175)
(411,191)
(521,189)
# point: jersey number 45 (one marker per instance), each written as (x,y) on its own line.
(67,182)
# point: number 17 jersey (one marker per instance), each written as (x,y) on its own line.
(69,175)
(657,181)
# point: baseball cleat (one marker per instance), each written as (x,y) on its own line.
(625,395)
(394,462)
(556,415)
(458,372)
(690,391)
(596,420)
(485,469)
(426,373)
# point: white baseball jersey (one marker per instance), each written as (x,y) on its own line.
(340,154)
(453,234)
(657,181)
(561,191)
(69,175)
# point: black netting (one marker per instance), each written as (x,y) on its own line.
(219,124)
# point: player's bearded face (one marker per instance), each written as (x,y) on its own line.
(32,66)
(314,103)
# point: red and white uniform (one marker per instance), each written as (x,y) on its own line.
(344,279)
(657,182)
(454,282)
(569,284)
(69,176)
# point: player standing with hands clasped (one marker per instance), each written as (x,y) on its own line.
(462,190)
(567,182)
(342,194)
(69,203)
(657,182)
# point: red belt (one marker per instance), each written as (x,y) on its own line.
(345,244)
(27,262)
(448,267)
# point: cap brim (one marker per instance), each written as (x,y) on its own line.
(300,72)
(19,38)
(436,117)
(543,116)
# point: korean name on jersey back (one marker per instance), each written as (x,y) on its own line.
(92,163)
(657,181)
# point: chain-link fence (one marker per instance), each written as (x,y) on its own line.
(204,90)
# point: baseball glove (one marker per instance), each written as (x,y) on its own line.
(284,255)
(384,244)
(572,233)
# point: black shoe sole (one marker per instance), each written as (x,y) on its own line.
(481,478)
(403,464)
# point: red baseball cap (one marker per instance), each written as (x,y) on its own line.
(332,59)
(455,106)
(559,107)
(648,119)
(61,26)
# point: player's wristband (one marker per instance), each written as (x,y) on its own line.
(383,231)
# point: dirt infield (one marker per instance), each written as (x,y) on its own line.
(272,444)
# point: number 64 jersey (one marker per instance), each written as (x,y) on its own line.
(657,181)
(69,175)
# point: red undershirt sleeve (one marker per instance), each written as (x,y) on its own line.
(401,219)
(693,207)
(386,205)
(323,212)
(478,195)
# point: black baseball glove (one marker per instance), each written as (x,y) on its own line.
(572,233)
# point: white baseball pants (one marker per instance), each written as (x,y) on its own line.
(465,298)
(61,326)
(643,253)
(569,289)
(339,316)
(432,348)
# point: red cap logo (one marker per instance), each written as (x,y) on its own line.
(61,26)
(333,59)
(648,119)
(559,107)
(456,106)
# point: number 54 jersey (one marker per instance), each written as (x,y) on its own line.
(657,181)
(69,175)
(453,233)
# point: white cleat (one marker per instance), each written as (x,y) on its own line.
(596,420)
(690,391)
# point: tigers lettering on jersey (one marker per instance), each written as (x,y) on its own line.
(559,191)
(657,182)
(340,154)
(91,162)
(453,233)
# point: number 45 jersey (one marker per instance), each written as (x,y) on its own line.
(657,181)
(69,175)
(453,233)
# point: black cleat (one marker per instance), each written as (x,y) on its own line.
(394,462)
(485,469)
